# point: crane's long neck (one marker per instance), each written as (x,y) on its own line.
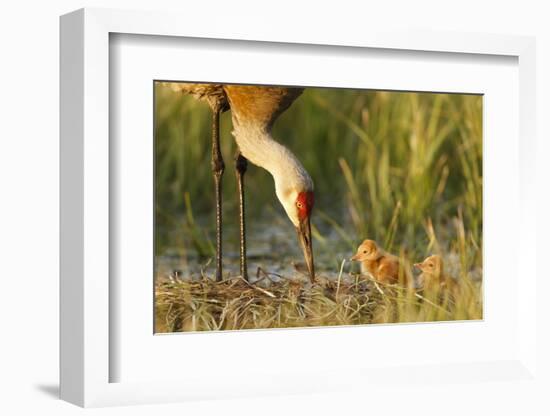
(258,146)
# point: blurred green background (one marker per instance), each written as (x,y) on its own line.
(402,168)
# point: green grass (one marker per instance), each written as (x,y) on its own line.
(404,169)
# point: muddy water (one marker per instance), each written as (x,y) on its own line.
(272,247)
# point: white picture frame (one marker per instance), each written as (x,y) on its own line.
(86,356)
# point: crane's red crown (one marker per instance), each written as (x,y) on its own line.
(304,203)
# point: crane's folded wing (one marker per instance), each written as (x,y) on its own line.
(259,105)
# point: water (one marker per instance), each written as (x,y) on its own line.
(273,253)
(272,247)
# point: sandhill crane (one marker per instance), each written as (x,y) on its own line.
(254,110)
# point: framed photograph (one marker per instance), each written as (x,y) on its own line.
(320,214)
(412,188)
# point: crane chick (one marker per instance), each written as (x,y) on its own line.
(433,276)
(382,266)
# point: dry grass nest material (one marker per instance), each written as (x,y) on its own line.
(203,305)
(236,304)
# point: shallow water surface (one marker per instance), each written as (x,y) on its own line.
(272,249)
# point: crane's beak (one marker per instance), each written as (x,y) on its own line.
(304,235)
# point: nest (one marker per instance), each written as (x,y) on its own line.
(184,305)
(206,305)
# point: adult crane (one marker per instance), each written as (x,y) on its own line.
(254,110)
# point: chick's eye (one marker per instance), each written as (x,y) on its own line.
(364,251)
(430,265)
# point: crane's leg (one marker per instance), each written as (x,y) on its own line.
(240,168)
(217,168)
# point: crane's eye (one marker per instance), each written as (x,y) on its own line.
(299,205)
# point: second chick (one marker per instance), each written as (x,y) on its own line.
(433,275)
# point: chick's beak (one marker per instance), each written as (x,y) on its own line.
(304,235)
(418,265)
